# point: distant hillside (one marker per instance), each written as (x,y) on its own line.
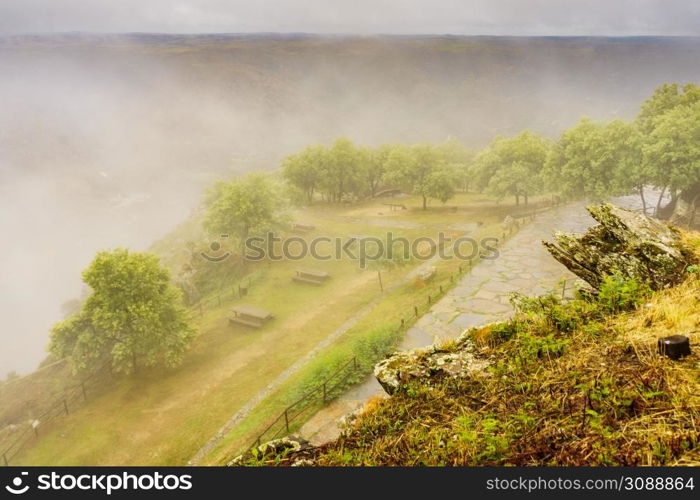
(108,140)
(226,97)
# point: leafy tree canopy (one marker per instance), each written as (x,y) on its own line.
(246,206)
(511,166)
(422,170)
(132,319)
(672,149)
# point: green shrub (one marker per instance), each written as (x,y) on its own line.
(618,293)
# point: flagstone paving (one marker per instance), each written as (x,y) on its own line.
(482,296)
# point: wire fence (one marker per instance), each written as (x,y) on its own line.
(320,395)
(16,436)
(235,291)
(317,397)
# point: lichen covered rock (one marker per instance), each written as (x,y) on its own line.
(283,447)
(455,361)
(625,242)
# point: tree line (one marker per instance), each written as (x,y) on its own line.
(592,160)
(345,171)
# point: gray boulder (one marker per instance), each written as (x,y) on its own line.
(286,446)
(627,242)
(455,361)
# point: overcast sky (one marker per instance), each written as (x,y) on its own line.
(470,17)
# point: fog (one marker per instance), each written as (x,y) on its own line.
(109,140)
(471,17)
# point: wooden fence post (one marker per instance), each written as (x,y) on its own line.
(324,393)
(82,385)
(563,290)
(65,406)
(415,309)
(4,458)
(381,285)
(286,420)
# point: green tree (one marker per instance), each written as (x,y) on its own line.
(341,172)
(512,166)
(132,319)
(374,162)
(411,169)
(665,98)
(246,206)
(672,150)
(441,182)
(583,163)
(304,169)
(460,159)
(619,152)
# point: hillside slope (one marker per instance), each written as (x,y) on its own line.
(580,383)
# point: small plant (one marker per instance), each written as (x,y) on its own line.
(618,293)
(552,313)
(530,348)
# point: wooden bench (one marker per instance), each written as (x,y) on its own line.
(249,316)
(311,276)
(395,206)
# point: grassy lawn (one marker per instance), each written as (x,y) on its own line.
(163,418)
(372,337)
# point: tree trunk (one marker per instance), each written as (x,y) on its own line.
(517,199)
(644,201)
(685,206)
(658,203)
(526,198)
(425,202)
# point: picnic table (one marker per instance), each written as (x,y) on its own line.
(249,316)
(395,206)
(312,276)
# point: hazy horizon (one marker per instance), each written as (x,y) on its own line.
(111,144)
(475,17)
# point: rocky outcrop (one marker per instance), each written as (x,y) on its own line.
(283,447)
(625,242)
(428,363)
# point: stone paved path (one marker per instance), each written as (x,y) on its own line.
(480,297)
